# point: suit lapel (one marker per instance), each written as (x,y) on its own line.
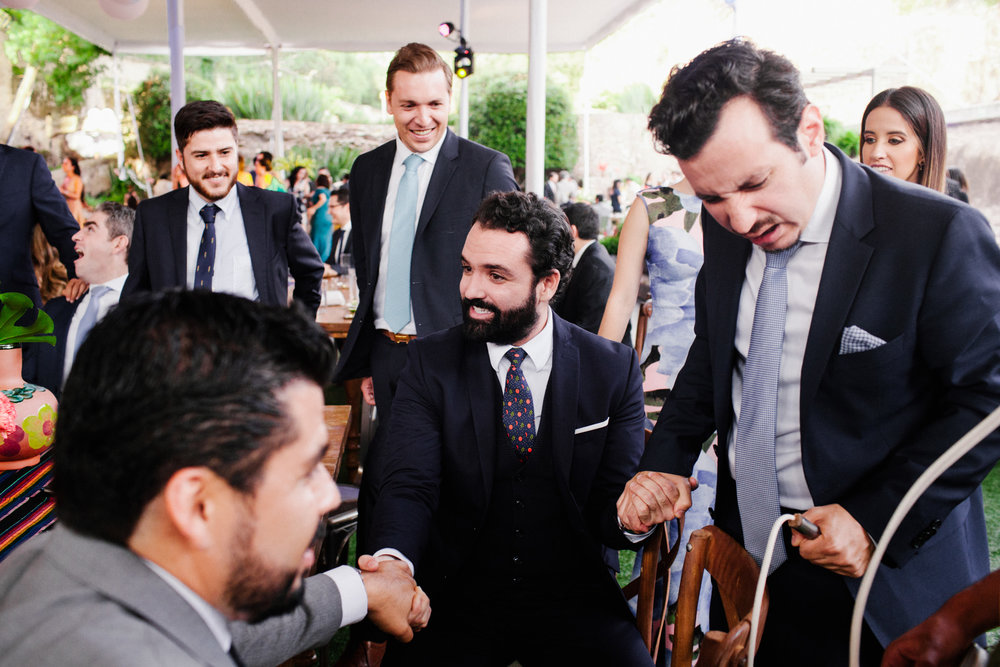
(561,399)
(723,285)
(481,379)
(372,232)
(177,207)
(445,166)
(258,238)
(846,261)
(123,577)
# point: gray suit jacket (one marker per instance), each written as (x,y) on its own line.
(67,599)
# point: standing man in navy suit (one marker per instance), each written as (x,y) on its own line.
(408,231)
(888,350)
(254,236)
(102,262)
(29,195)
(511,438)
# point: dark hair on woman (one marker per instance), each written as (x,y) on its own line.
(265,159)
(546,227)
(924,116)
(76,164)
(694,95)
(294,175)
(202,115)
(196,381)
(322,181)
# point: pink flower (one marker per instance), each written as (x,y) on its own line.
(8,417)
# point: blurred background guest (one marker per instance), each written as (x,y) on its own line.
(903,135)
(318,214)
(958,185)
(72,187)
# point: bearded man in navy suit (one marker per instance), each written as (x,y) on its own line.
(889,351)
(491,469)
(257,236)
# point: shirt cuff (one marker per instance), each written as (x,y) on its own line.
(388,551)
(634,538)
(353,597)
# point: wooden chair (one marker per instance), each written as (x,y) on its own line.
(642,324)
(734,574)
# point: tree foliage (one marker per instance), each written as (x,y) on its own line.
(66,63)
(844,139)
(498,119)
(152,99)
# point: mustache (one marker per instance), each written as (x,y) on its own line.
(479,303)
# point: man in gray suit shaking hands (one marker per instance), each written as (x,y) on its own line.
(190,484)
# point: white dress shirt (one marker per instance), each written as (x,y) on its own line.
(108,300)
(424,171)
(579,253)
(805,268)
(233,272)
(353,600)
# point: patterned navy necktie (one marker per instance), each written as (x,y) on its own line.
(204,266)
(756,471)
(518,408)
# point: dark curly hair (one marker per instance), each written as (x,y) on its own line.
(541,221)
(688,111)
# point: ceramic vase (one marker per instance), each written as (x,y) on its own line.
(27,414)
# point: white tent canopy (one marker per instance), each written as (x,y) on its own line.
(217,27)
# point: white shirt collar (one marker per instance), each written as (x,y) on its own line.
(212,617)
(430,155)
(227,203)
(538,349)
(821,222)
(579,253)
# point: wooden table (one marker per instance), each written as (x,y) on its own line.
(335,320)
(338,419)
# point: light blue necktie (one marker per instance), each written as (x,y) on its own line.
(404,228)
(90,315)
(756,473)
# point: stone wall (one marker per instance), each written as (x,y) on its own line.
(255,135)
(972,146)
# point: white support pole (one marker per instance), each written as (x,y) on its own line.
(534,153)
(463,103)
(278,140)
(118,112)
(175,27)
(586,90)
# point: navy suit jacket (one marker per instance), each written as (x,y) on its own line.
(46,367)
(587,292)
(922,272)
(464,174)
(440,452)
(278,245)
(29,195)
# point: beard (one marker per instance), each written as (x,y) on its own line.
(256,589)
(506,327)
(200,186)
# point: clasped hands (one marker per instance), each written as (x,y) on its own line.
(843,547)
(396,605)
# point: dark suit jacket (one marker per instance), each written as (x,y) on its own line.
(922,272)
(464,174)
(46,367)
(75,600)
(278,245)
(440,452)
(587,292)
(29,195)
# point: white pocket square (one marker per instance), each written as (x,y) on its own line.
(592,427)
(855,339)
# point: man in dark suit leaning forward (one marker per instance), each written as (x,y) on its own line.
(188,468)
(511,437)
(212,235)
(847,332)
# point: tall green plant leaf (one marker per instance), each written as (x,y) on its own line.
(12,306)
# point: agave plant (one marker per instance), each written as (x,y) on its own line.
(12,306)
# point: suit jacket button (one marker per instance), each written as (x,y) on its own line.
(517,560)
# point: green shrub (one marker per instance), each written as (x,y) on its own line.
(497,118)
(249,96)
(338,159)
(844,139)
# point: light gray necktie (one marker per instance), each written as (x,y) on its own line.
(89,316)
(404,229)
(756,473)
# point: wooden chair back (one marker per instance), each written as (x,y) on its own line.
(734,574)
(642,324)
